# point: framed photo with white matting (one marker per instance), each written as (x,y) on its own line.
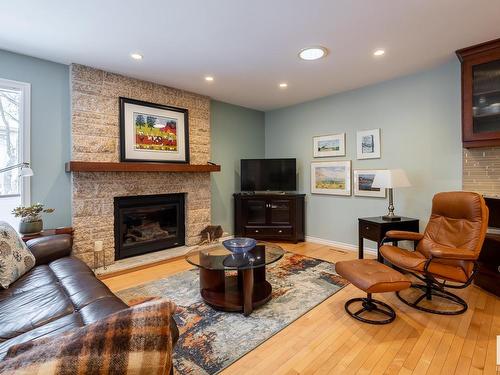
(363,181)
(368,144)
(325,146)
(153,132)
(331,177)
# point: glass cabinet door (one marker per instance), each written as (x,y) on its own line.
(280,211)
(486,97)
(256,211)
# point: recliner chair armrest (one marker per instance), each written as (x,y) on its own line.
(404,235)
(49,248)
(445,252)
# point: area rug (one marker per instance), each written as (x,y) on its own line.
(211,340)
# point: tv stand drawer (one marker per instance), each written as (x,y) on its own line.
(268,231)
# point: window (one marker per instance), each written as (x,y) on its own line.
(14,145)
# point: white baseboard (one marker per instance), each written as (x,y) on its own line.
(340,245)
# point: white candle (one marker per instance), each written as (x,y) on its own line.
(97,246)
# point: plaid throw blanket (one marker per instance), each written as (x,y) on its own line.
(132,341)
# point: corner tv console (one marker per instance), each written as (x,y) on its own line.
(269,216)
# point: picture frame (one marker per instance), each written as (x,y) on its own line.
(362,181)
(331,177)
(368,144)
(152,132)
(325,146)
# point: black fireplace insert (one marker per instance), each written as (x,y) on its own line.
(148,223)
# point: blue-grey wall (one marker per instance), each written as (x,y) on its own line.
(419,117)
(50,130)
(236,133)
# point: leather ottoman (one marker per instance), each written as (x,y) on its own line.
(372,276)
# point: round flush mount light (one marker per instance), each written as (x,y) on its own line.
(379,52)
(283,85)
(209,78)
(313,53)
(136,56)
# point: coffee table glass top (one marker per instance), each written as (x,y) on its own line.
(217,257)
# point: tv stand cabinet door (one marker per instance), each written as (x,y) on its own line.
(280,211)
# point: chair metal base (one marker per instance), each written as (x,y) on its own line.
(430,290)
(370,304)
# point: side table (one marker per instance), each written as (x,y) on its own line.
(48,232)
(375,228)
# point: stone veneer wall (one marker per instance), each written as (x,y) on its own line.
(481,170)
(95,137)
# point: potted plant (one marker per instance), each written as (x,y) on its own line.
(31,219)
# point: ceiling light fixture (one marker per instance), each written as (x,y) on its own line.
(379,52)
(283,85)
(136,56)
(209,78)
(313,53)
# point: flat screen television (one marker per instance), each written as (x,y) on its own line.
(268,175)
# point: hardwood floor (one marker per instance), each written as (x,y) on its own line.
(327,341)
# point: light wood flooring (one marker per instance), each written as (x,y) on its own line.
(327,341)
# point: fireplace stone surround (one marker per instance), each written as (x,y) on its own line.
(95,137)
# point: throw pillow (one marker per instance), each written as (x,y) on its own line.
(136,340)
(15,258)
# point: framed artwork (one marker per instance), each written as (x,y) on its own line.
(363,180)
(368,144)
(153,132)
(329,145)
(331,177)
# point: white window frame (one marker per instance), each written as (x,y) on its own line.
(24,135)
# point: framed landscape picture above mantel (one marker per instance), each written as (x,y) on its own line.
(153,132)
(363,180)
(331,177)
(329,145)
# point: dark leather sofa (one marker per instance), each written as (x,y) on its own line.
(60,293)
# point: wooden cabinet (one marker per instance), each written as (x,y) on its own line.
(270,216)
(481,94)
(488,273)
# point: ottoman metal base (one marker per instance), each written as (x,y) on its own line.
(370,304)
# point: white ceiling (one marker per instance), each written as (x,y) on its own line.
(249,46)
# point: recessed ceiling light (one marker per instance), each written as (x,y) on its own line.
(379,52)
(209,78)
(313,53)
(283,85)
(136,56)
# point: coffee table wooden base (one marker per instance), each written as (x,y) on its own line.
(227,291)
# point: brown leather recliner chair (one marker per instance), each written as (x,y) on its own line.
(446,252)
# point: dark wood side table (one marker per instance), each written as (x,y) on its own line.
(48,232)
(375,228)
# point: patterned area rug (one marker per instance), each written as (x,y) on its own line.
(211,340)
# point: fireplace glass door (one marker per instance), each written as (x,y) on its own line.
(148,223)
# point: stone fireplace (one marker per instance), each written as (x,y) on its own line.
(95,138)
(147,223)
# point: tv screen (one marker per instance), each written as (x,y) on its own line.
(268,175)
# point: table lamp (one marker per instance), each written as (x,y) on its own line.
(390,179)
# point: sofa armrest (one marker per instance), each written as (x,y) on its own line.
(49,248)
(404,235)
(444,252)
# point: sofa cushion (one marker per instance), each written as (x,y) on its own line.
(26,311)
(133,341)
(53,298)
(15,258)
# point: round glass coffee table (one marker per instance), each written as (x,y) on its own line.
(234,282)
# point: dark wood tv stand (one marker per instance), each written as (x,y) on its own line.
(267,216)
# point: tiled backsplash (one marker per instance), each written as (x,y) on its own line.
(481,170)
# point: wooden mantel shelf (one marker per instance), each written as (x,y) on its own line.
(89,166)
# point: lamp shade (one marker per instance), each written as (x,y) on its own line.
(391,178)
(26,172)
